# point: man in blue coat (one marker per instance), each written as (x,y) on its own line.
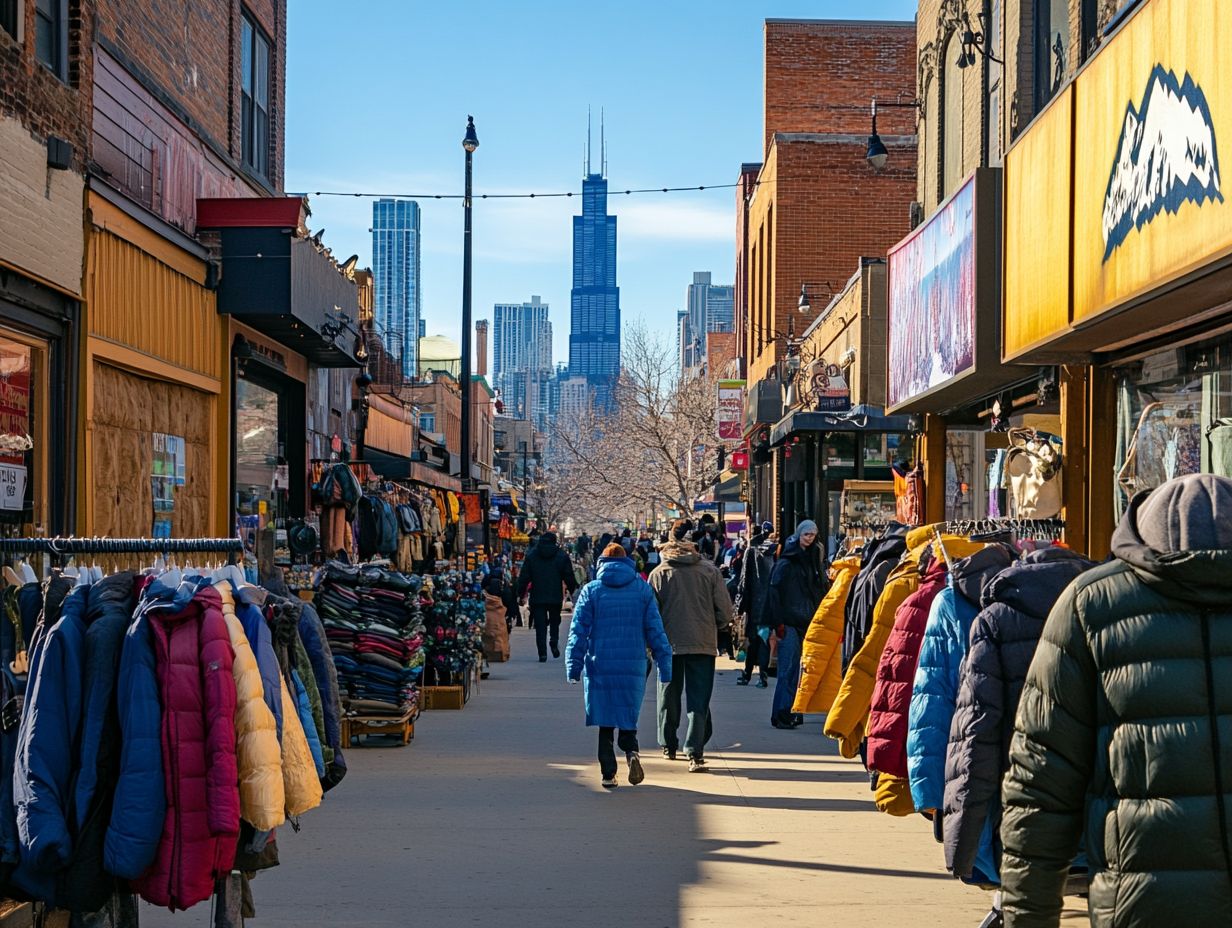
(615,621)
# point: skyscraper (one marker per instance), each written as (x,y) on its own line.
(594,336)
(711,308)
(522,359)
(395,266)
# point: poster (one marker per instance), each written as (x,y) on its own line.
(12,487)
(932,302)
(15,438)
(730,415)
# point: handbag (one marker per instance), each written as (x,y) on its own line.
(1033,474)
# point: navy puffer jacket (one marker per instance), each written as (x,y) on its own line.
(312,634)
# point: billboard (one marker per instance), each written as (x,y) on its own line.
(932,302)
(730,414)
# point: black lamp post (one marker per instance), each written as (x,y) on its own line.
(470,142)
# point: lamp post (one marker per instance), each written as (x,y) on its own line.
(469,143)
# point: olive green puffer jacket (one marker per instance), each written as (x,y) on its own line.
(1124,731)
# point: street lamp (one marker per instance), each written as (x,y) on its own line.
(469,143)
(877,154)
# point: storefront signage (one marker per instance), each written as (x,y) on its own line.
(12,487)
(730,416)
(932,302)
(828,388)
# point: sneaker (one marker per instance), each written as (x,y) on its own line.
(555,651)
(636,773)
(669,753)
(609,782)
(543,659)
(743,679)
(697,764)
(761,682)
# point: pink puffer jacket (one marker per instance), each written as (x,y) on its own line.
(197,690)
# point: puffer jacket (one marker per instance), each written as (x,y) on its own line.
(615,622)
(284,623)
(257,631)
(935,690)
(693,601)
(546,573)
(197,692)
(258,758)
(848,717)
(887,721)
(1003,642)
(316,646)
(46,760)
(754,585)
(880,556)
(1121,733)
(820,658)
(796,586)
(301,783)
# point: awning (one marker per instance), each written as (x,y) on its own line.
(397,467)
(864,418)
(727,490)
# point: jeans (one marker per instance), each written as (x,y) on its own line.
(692,675)
(788,674)
(542,617)
(607,755)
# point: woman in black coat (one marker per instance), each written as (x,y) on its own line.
(797,585)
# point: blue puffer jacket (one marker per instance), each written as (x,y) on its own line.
(303,705)
(257,631)
(140,798)
(615,620)
(312,634)
(46,763)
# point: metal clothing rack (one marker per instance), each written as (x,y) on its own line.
(71,545)
(1021,528)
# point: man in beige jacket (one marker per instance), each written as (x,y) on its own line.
(694,604)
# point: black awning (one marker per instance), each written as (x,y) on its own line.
(871,419)
(389,466)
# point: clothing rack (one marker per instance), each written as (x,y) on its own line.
(65,546)
(1029,528)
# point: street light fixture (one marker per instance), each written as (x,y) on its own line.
(803,304)
(877,154)
(469,143)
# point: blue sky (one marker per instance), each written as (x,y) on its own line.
(379,91)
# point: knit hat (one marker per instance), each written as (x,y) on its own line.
(806,527)
(767,527)
(614,550)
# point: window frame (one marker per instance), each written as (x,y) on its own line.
(255,153)
(1045,87)
(15,8)
(58,22)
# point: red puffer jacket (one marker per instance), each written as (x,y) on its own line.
(887,727)
(193,653)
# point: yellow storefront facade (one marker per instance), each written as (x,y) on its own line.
(1118,259)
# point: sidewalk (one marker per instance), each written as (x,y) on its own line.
(494,817)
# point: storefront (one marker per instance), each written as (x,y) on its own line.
(1119,259)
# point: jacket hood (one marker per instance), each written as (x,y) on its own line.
(1178,538)
(887,547)
(681,552)
(792,548)
(1035,583)
(547,549)
(972,574)
(616,571)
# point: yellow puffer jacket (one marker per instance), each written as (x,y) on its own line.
(262,797)
(299,772)
(848,718)
(893,795)
(821,669)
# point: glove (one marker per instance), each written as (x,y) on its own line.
(781,632)
(764,634)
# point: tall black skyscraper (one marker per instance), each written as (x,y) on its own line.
(594,334)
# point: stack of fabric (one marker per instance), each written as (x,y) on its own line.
(375,630)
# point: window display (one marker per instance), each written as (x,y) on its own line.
(21,455)
(260,451)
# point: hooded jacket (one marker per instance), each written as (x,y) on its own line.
(848,716)
(796,586)
(1121,731)
(197,692)
(546,571)
(1003,642)
(693,600)
(257,631)
(301,784)
(880,556)
(754,586)
(821,656)
(616,619)
(316,646)
(935,689)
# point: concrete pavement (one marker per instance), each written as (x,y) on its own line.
(494,817)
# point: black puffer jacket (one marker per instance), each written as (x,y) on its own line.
(546,571)
(1003,640)
(796,586)
(878,559)
(754,584)
(1124,731)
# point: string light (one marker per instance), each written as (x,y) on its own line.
(517,196)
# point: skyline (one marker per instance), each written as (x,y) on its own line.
(530,109)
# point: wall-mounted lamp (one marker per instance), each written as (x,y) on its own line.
(973,42)
(803,303)
(877,154)
(847,358)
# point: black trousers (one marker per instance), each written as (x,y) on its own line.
(543,618)
(755,655)
(607,753)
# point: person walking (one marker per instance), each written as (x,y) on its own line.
(615,621)
(582,547)
(797,585)
(694,604)
(546,573)
(1121,744)
(751,594)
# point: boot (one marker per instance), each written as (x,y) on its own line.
(743,678)
(761,680)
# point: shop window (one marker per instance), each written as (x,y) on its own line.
(952,118)
(23,438)
(261,478)
(254,96)
(50,35)
(1174,417)
(965,495)
(10,21)
(1051,48)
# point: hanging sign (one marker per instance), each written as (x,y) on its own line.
(12,487)
(829,388)
(730,413)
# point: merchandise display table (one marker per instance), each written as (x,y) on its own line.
(355,726)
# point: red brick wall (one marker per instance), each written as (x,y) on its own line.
(188,54)
(821,76)
(42,102)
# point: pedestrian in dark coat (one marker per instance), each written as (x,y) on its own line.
(752,591)
(546,573)
(1121,736)
(1003,640)
(797,584)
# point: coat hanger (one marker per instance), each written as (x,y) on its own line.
(27,572)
